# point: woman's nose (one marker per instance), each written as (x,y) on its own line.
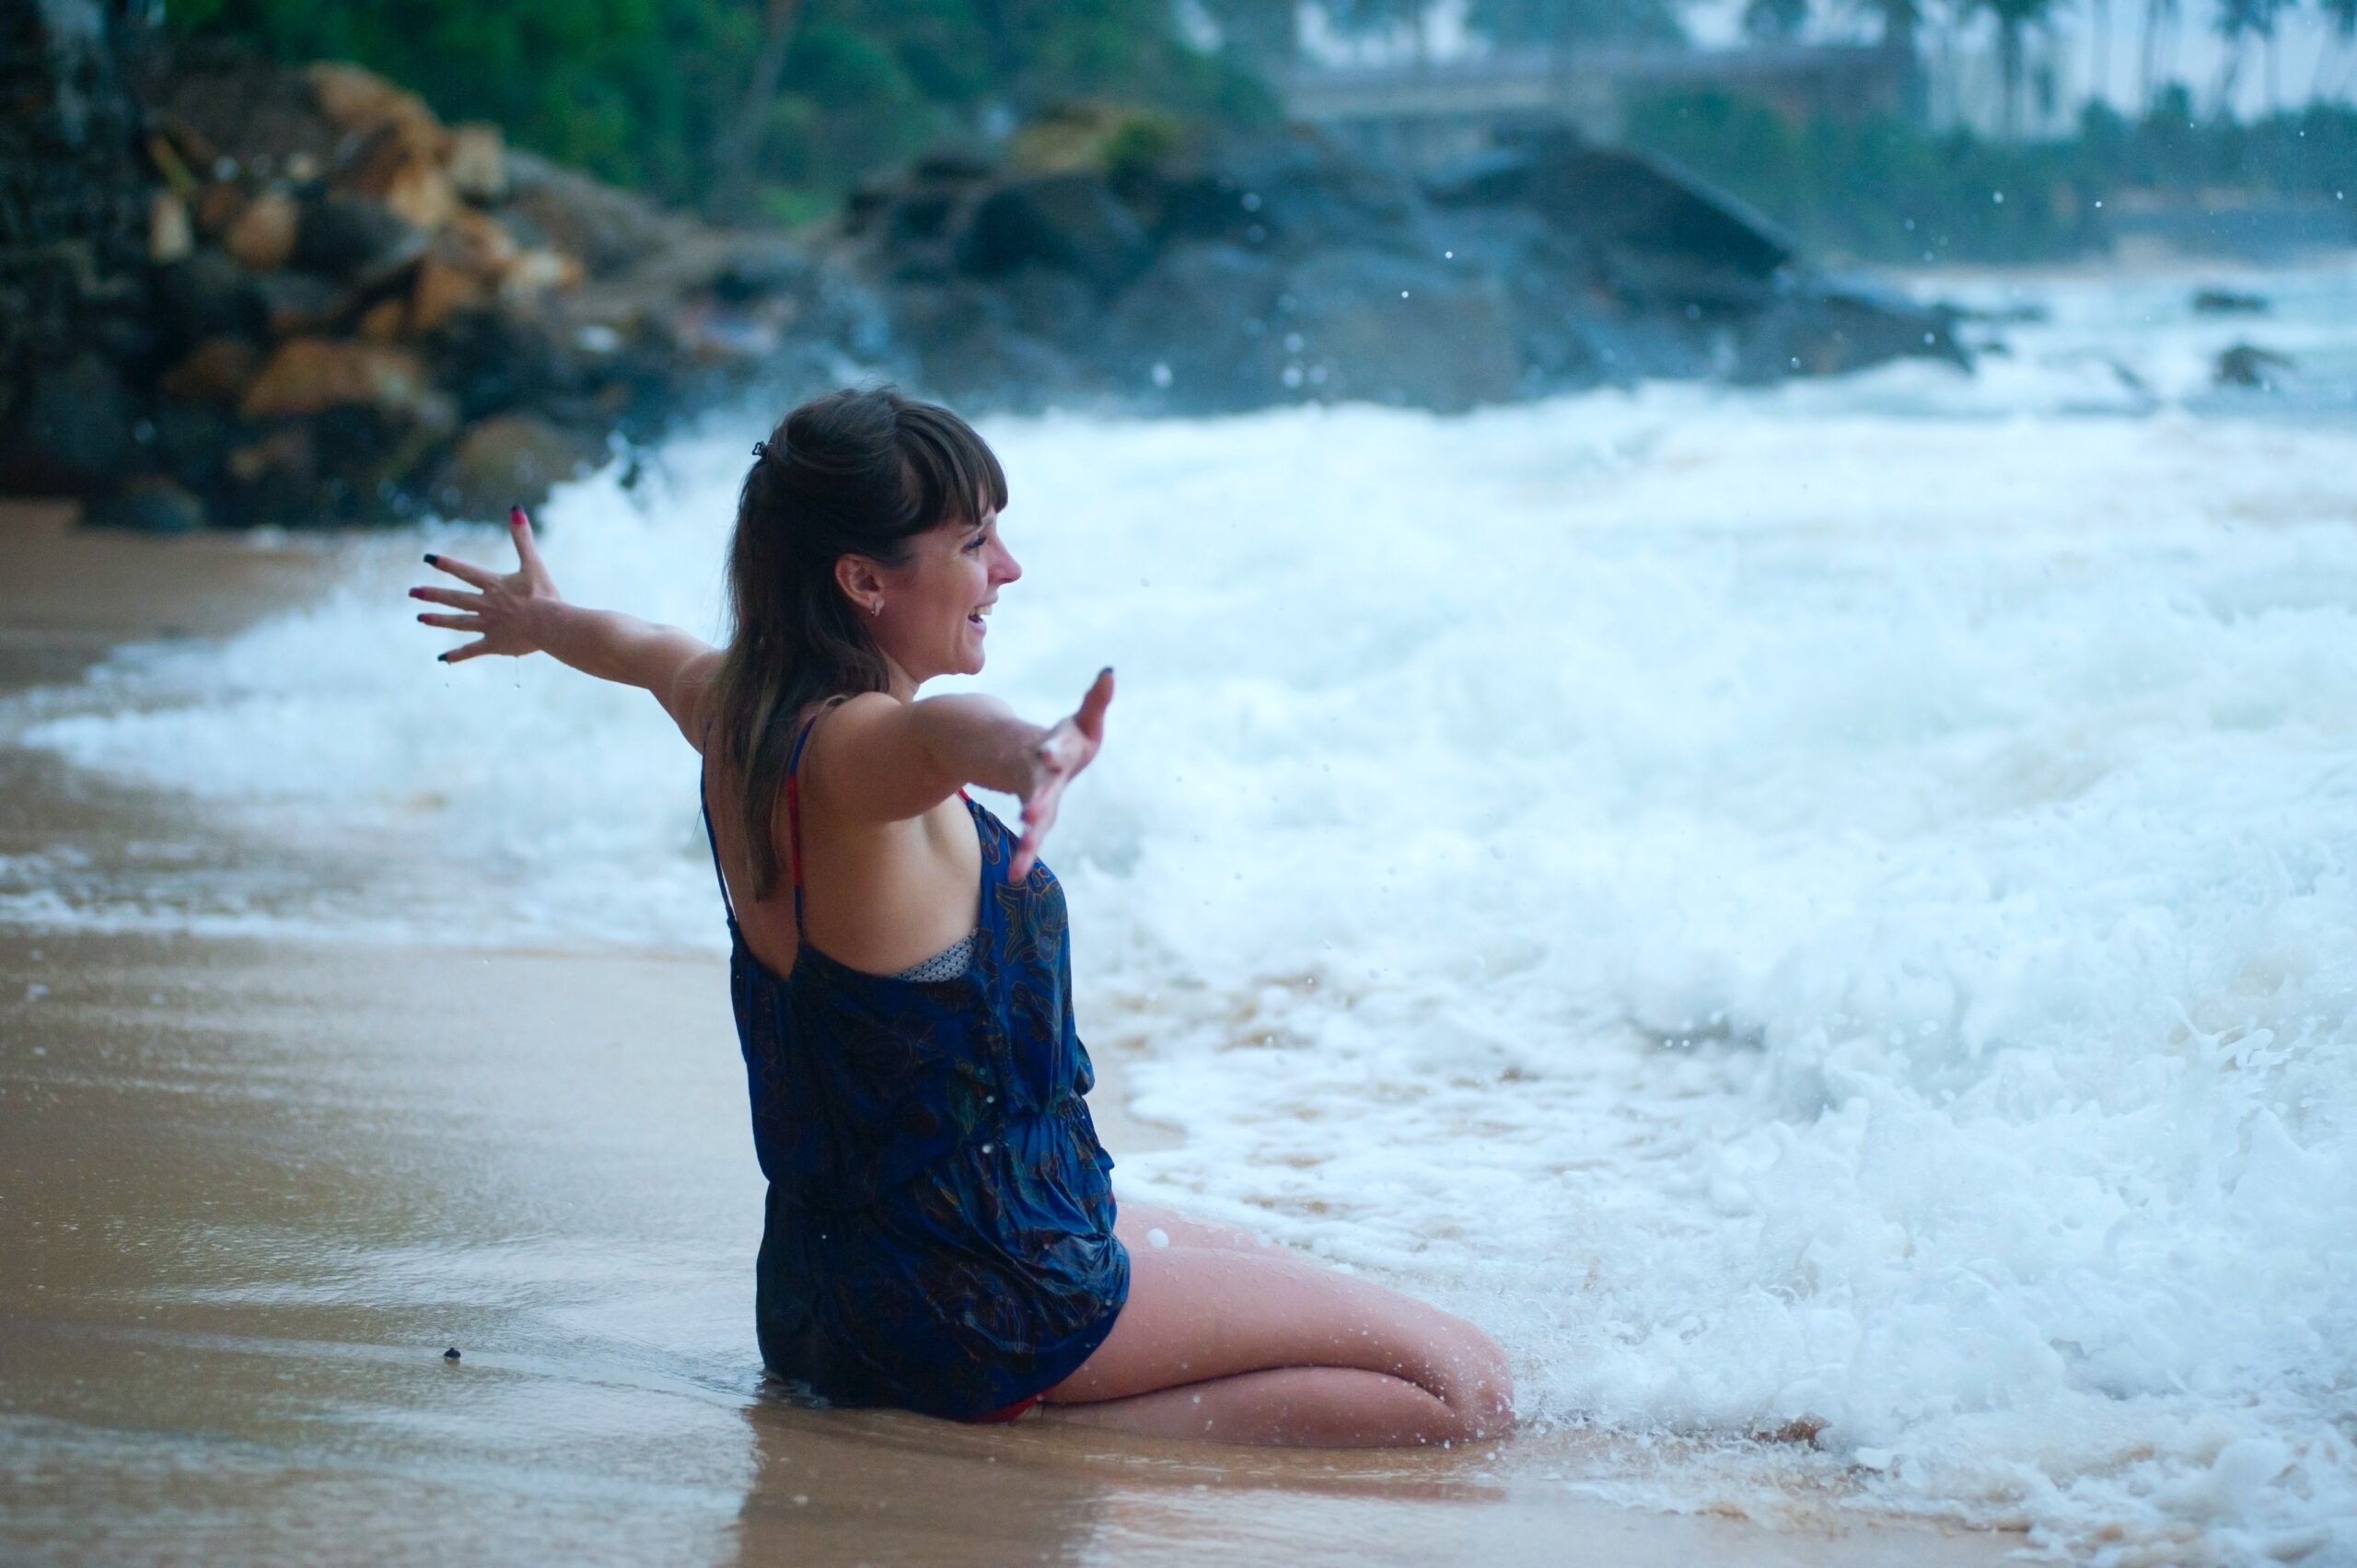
(1010,568)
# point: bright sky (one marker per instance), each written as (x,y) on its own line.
(2309,62)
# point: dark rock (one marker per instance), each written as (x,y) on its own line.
(215,371)
(295,303)
(260,238)
(450,1354)
(74,426)
(363,243)
(2228,302)
(1182,336)
(609,230)
(511,461)
(307,376)
(1066,222)
(1819,327)
(2246,365)
(1289,194)
(149,505)
(208,295)
(1397,330)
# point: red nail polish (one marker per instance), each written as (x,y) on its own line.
(516,515)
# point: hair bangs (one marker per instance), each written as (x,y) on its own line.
(950,467)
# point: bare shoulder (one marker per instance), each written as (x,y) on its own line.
(867,763)
(688,695)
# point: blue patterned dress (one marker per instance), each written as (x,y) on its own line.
(939,1233)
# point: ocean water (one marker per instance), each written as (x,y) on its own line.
(1831,903)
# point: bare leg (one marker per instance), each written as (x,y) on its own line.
(1304,1407)
(1135,1225)
(1253,1345)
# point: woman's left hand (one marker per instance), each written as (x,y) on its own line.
(1068,748)
(502,611)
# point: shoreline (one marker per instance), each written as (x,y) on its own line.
(255,1187)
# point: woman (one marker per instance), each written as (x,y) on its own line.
(941,1234)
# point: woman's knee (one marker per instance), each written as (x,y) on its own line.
(1479,1385)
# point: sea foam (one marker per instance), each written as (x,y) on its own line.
(1833,902)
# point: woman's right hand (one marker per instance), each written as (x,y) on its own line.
(500,612)
(1069,746)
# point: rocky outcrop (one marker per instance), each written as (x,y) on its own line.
(348,312)
(1149,271)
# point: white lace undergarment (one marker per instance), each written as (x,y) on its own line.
(947,964)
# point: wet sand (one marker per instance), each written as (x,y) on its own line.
(251,1191)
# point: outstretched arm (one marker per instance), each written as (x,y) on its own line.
(523,613)
(887,760)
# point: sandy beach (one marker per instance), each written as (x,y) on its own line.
(251,1191)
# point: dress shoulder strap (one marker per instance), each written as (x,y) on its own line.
(794,806)
(713,843)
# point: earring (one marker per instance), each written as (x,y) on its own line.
(876,609)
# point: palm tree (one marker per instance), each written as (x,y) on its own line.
(2015,18)
(2161,19)
(2342,15)
(2099,77)
(2238,22)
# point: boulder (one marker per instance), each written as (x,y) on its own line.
(1828,327)
(362,242)
(170,234)
(511,461)
(478,162)
(402,167)
(1064,222)
(206,295)
(358,102)
(1658,235)
(260,238)
(295,304)
(1398,329)
(150,504)
(441,290)
(305,377)
(2247,365)
(217,371)
(1184,336)
(609,230)
(2228,302)
(73,428)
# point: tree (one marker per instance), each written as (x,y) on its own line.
(2160,19)
(2014,19)
(1775,21)
(2238,22)
(739,142)
(2342,15)
(1544,24)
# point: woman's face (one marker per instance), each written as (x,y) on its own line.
(936,604)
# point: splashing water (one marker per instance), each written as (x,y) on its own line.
(1833,903)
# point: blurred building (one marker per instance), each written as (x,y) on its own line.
(1422,113)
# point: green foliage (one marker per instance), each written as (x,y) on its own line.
(1880,189)
(644,92)
(1527,23)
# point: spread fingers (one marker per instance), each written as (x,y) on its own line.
(450,597)
(454,623)
(466,571)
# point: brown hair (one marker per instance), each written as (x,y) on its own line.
(853,473)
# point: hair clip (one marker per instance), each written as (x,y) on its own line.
(760,448)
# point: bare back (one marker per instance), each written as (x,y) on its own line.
(878,896)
